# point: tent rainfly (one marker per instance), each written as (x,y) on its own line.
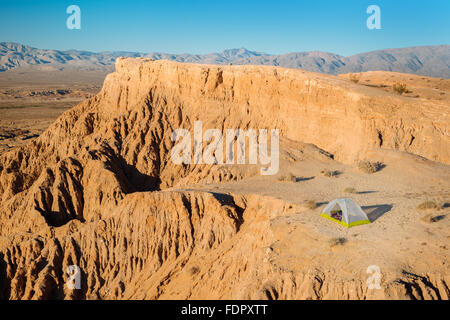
(345,212)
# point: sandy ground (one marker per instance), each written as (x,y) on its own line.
(417,86)
(398,236)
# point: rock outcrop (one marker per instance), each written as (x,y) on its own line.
(91,190)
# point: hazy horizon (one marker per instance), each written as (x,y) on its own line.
(220,51)
(202,27)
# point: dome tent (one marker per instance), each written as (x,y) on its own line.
(345,212)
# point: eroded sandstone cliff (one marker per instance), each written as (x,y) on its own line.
(90,190)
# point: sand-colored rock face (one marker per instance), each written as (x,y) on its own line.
(91,190)
(342,118)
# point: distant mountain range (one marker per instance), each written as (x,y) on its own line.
(431,61)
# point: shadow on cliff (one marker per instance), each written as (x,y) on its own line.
(228,200)
(138,181)
(5,288)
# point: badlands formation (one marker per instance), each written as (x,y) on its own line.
(98,190)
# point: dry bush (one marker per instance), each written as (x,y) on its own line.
(310,204)
(329,173)
(289,177)
(354,78)
(350,190)
(429,205)
(399,88)
(369,167)
(430,218)
(337,242)
(194,270)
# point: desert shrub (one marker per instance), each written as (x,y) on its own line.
(369,167)
(194,270)
(337,242)
(350,190)
(289,177)
(429,205)
(310,204)
(430,218)
(399,88)
(354,78)
(329,173)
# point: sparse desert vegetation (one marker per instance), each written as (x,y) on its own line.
(337,241)
(289,177)
(430,205)
(350,190)
(399,88)
(429,218)
(354,78)
(399,83)
(369,166)
(194,270)
(310,204)
(329,173)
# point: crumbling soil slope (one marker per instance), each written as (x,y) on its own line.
(98,188)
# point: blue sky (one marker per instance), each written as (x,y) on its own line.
(197,26)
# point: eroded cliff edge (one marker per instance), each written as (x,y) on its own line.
(346,120)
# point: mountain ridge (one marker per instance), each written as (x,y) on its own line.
(431,61)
